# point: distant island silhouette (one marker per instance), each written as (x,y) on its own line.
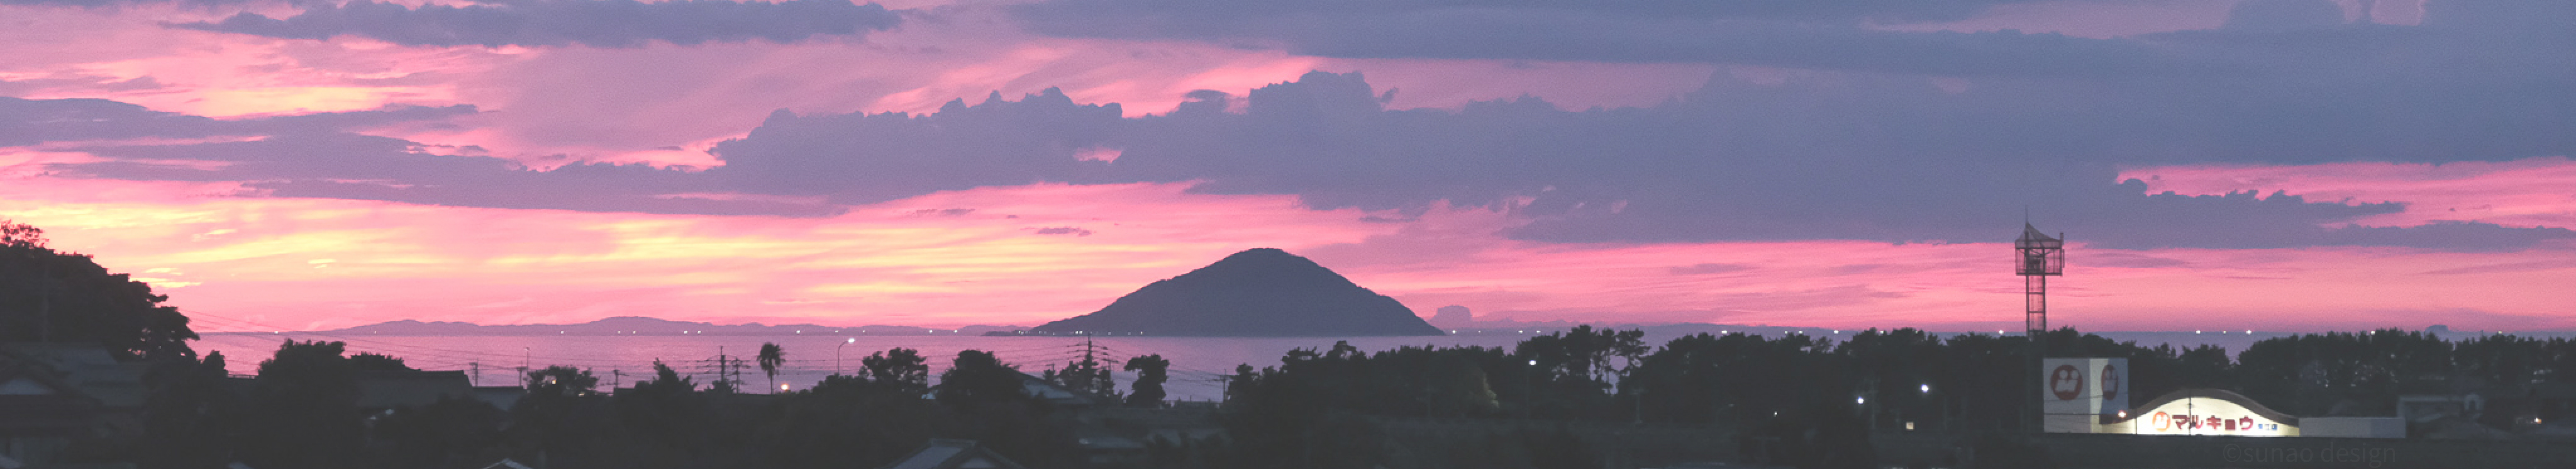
(1263,292)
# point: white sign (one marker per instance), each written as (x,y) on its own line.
(2085,386)
(2206,415)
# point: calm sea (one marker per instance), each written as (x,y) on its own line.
(1197,362)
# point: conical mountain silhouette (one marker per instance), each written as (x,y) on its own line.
(1257,292)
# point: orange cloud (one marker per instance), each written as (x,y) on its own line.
(2522,193)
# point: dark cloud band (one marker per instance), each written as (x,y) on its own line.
(595,23)
(33,121)
(1552,34)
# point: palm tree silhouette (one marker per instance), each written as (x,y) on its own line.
(771,357)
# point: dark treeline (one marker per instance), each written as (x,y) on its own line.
(1813,394)
(1806,401)
(1315,409)
(302,412)
(301,407)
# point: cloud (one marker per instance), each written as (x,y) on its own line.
(68,80)
(1845,11)
(1886,157)
(1827,35)
(594,23)
(1850,158)
(1853,159)
(2504,268)
(1837,36)
(112,3)
(32,121)
(887,156)
(1709,268)
(351,166)
(315,155)
(2451,233)
(2277,15)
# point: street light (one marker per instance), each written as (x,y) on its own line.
(1927,389)
(836,353)
(1529,398)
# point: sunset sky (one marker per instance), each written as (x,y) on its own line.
(2262,164)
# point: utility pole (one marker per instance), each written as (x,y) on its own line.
(1086,348)
(1091,368)
(1868,407)
(478,374)
(45,316)
(836,354)
(45,306)
(727,369)
(1640,402)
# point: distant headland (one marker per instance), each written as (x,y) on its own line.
(1264,292)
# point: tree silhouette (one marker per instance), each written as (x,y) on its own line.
(1087,376)
(561,381)
(667,413)
(898,370)
(1574,366)
(51,296)
(304,411)
(1151,372)
(977,379)
(771,357)
(559,414)
(20,235)
(190,415)
(1456,385)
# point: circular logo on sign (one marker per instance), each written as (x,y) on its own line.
(2066,383)
(2110,382)
(2163,421)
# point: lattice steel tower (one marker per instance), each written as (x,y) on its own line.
(2038,257)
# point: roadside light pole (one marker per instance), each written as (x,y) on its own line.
(836,354)
(1529,404)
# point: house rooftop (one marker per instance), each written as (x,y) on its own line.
(954,454)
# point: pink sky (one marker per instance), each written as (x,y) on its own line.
(226,249)
(320,263)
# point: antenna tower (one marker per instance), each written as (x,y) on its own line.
(2037,257)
